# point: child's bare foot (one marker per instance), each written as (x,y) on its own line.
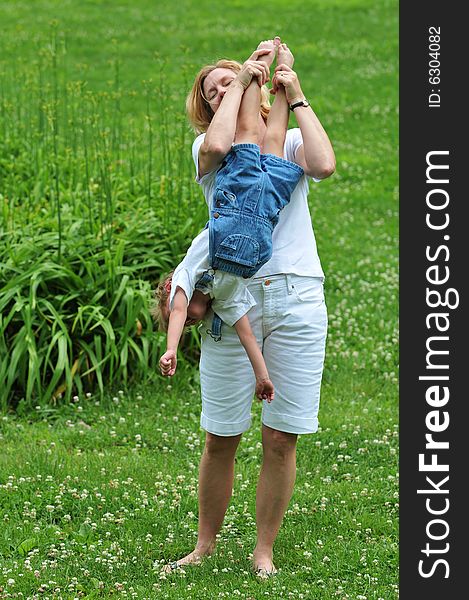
(268,45)
(284,56)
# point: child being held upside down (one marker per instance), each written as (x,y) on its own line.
(250,191)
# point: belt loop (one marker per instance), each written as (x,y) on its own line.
(288,282)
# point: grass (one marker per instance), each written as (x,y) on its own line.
(97,493)
(91,142)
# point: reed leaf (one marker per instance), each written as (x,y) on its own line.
(96,206)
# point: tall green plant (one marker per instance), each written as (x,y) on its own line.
(96,206)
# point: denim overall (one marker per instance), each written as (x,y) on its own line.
(204,284)
(250,191)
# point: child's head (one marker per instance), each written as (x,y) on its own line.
(160,311)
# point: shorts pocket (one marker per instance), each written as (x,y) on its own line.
(239,248)
(309,291)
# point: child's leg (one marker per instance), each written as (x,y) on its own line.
(247,130)
(277,121)
(277,124)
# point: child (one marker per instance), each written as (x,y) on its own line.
(250,191)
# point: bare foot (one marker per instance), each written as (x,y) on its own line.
(284,56)
(194,558)
(268,45)
(263,564)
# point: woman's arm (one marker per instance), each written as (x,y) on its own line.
(177,320)
(222,129)
(264,387)
(316,155)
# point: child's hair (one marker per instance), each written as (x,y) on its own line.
(199,110)
(160,298)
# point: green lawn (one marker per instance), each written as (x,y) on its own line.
(96,494)
(95,497)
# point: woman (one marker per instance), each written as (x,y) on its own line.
(289,319)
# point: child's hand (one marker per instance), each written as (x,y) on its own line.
(168,363)
(265,390)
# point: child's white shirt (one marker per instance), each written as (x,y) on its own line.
(230,297)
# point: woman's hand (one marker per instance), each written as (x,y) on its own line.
(254,67)
(284,75)
(168,363)
(265,390)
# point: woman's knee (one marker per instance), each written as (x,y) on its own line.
(217,445)
(279,443)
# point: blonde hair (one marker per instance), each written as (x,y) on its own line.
(199,111)
(160,297)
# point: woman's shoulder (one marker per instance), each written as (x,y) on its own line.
(294,135)
(198,142)
(293,140)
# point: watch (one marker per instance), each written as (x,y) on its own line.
(299,103)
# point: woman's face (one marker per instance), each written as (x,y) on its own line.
(215,85)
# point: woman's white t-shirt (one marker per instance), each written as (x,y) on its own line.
(294,244)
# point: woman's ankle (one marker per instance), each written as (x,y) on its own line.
(263,550)
(204,547)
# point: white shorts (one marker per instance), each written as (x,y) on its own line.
(290,324)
